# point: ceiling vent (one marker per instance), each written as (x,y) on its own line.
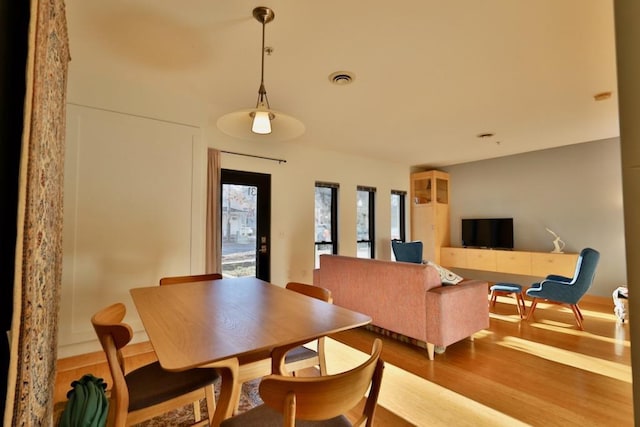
(341,78)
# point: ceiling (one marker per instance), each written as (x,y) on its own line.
(430,76)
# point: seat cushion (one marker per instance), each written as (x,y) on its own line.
(299,353)
(150,384)
(264,416)
(507,287)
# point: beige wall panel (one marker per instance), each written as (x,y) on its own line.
(129,212)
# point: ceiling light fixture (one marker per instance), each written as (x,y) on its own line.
(261,122)
(341,78)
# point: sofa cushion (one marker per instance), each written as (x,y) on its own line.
(446,276)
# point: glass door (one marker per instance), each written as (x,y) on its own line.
(246,223)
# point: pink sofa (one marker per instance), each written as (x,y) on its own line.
(406,298)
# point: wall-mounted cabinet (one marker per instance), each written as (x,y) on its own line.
(538,264)
(430,212)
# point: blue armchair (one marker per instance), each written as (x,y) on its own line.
(565,290)
(407,251)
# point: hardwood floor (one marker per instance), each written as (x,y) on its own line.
(542,372)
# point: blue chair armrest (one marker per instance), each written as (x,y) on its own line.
(557,278)
(554,290)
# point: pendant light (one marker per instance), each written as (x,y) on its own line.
(261,122)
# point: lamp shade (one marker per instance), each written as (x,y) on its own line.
(261,123)
(239,124)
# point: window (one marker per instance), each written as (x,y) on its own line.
(326,220)
(365,222)
(398,223)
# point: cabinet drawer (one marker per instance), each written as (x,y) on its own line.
(543,264)
(453,257)
(481,259)
(514,262)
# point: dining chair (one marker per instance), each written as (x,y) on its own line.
(567,290)
(174,280)
(303,357)
(319,401)
(149,390)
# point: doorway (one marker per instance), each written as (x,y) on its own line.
(246,224)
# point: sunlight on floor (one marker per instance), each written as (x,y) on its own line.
(506,318)
(417,400)
(579,361)
(586,313)
(482,334)
(555,327)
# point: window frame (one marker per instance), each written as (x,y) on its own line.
(402,214)
(334,221)
(372,220)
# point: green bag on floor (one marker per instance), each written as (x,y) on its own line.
(88,405)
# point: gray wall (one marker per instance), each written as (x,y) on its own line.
(575,191)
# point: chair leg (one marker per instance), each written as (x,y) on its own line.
(520,297)
(196,411)
(578,314)
(321,356)
(534,302)
(494,296)
(211,402)
(517,297)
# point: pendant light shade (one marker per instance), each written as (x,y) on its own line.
(261,122)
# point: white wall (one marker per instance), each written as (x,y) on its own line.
(575,191)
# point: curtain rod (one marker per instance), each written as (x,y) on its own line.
(253,155)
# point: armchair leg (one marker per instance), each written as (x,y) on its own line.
(578,314)
(520,297)
(534,302)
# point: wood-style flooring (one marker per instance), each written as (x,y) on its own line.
(541,372)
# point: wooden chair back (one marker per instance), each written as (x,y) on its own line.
(113,336)
(325,397)
(174,280)
(317,292)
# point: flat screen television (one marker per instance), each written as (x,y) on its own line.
(494,233)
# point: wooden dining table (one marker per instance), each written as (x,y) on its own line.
(195,324)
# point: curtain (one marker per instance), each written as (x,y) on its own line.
(213,260)
(38,264)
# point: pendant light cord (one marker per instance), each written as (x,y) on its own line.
(262,65)
(262,91)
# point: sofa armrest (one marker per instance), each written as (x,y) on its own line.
(456,312)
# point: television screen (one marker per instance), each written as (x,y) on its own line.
(495,233)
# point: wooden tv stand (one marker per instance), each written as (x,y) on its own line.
(537,264)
